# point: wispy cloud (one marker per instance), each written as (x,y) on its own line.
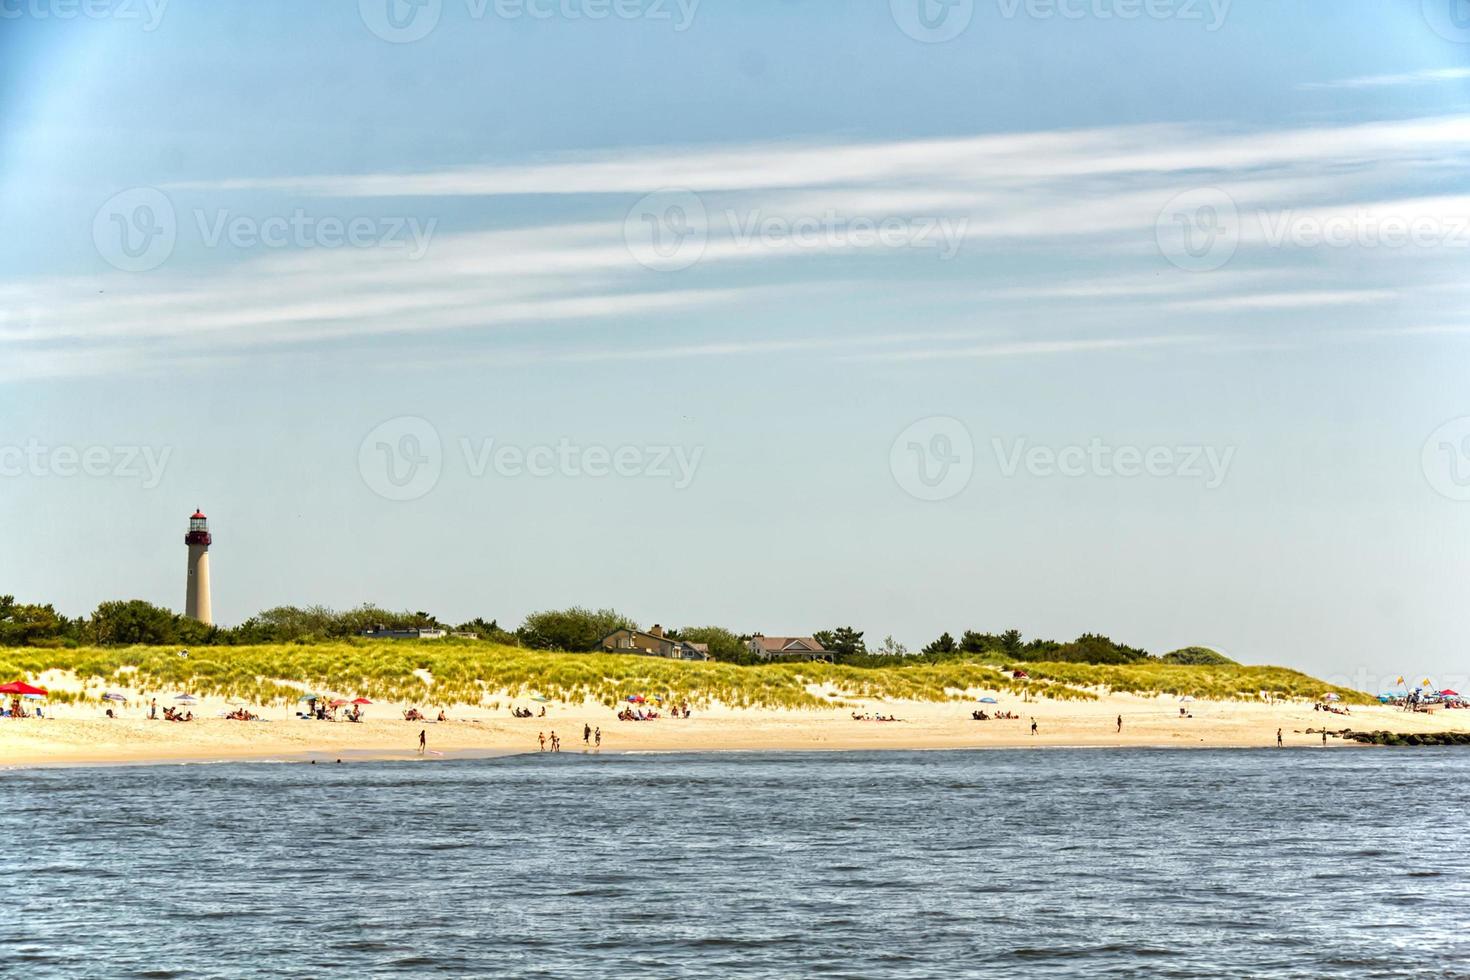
(1082,205)
(1427,76)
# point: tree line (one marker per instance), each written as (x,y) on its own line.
(134,621)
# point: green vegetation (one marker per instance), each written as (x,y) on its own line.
(1198,656)
(133,642)
(444,672)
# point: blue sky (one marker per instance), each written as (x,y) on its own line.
(917,311)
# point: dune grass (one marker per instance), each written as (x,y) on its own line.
(448,672)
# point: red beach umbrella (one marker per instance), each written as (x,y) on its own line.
(21,687)
(1448,693)
(337,703)
(361,701)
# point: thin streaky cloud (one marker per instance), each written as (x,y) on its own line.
(1032,348)
(1427,76)
(1287,301)
(971,161)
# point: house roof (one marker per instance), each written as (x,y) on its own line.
(643,633)
(789,644)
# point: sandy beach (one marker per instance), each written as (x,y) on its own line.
(75,734)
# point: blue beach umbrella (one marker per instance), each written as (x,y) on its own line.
(988,701)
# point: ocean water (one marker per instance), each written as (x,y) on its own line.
(1047,863)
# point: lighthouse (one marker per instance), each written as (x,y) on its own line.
(196,600)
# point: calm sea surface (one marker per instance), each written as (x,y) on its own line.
(896,865)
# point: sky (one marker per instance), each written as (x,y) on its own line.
(1140,317)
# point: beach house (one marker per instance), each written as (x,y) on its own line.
(787,648)
(653,643)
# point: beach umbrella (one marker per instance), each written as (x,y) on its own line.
(310,697)
(21,687)
(114,696)
(1331,697)
(1450,694)
(361,701)
(988,701)
(1187,697)
(337,703)
(34,697)
(538,697)
(186,699)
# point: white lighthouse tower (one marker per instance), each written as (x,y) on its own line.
(196,601)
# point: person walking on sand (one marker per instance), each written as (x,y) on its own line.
(598,736)
(1120,723)
(423,740)
(1278,738)
(542,737)
(1324,738)
(586,734)
(1033,726)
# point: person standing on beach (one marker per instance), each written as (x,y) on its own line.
(598,736)
(1033,726)
(1324,738)
(1120,723)
(1278,738)
(542,737)
(153,710)
(423,740)
(586,734)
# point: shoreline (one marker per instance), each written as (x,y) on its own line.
(361,756)
(80,738)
